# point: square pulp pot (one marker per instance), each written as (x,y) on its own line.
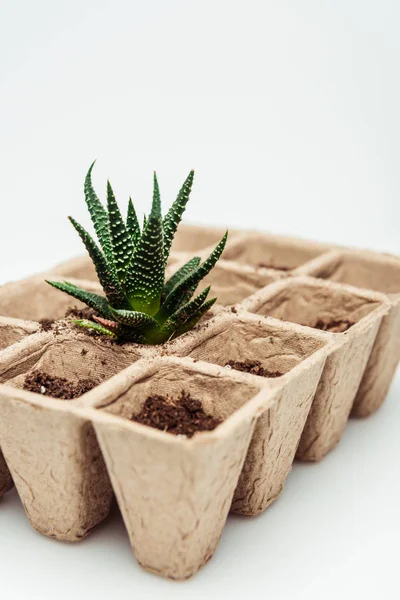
(195,238)
(174,492)
(52,453)
(300,355)
(379,272)
(307,301)
(269,251)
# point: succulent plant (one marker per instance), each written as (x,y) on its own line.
(130,261)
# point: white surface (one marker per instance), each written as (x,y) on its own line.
(333,533)
(289,111)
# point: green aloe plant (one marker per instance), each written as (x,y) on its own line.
(130,261)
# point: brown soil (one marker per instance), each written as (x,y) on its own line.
(254,367)
(334,326)
(184,416)
(57,387)
(277,268)
(80,313)
(46,324)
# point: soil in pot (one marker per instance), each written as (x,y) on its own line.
(252,366)
(79,313)
(182,416)
(335,326)
(46,324)
(57,387)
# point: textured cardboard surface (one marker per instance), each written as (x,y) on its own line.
(33,299)
(5,476)
(53,454)
(14,330)
(66,457)
(263,250)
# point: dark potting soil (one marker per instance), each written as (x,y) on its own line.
(46,324)
(182,416)
(338,326)
(57,387)
(252,366)
(80,313)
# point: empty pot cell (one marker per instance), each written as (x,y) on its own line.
(314,303)
(308,302)
(232,283)
(33,299)
(51,452)
(274,252)
(175,492)
(362,269)
(244,338)
(381,273)
(14,330)
(279,347)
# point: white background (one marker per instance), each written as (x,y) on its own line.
(289,112)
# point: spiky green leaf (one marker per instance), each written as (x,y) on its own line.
(187,296)
(121,241)
(190,323)
(106,276)
(98,303)
(99,217)
(132,223)
(95,326)
(133,318)
(174,215)
(145,277)
(175,297)
(182,272)
(187,311)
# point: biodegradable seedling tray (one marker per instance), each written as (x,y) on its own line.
(305,300)
(67,457)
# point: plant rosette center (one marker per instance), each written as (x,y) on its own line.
(140,305)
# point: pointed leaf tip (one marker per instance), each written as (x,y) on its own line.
(156,204)
(99,218)
(175,213)
(132,223)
